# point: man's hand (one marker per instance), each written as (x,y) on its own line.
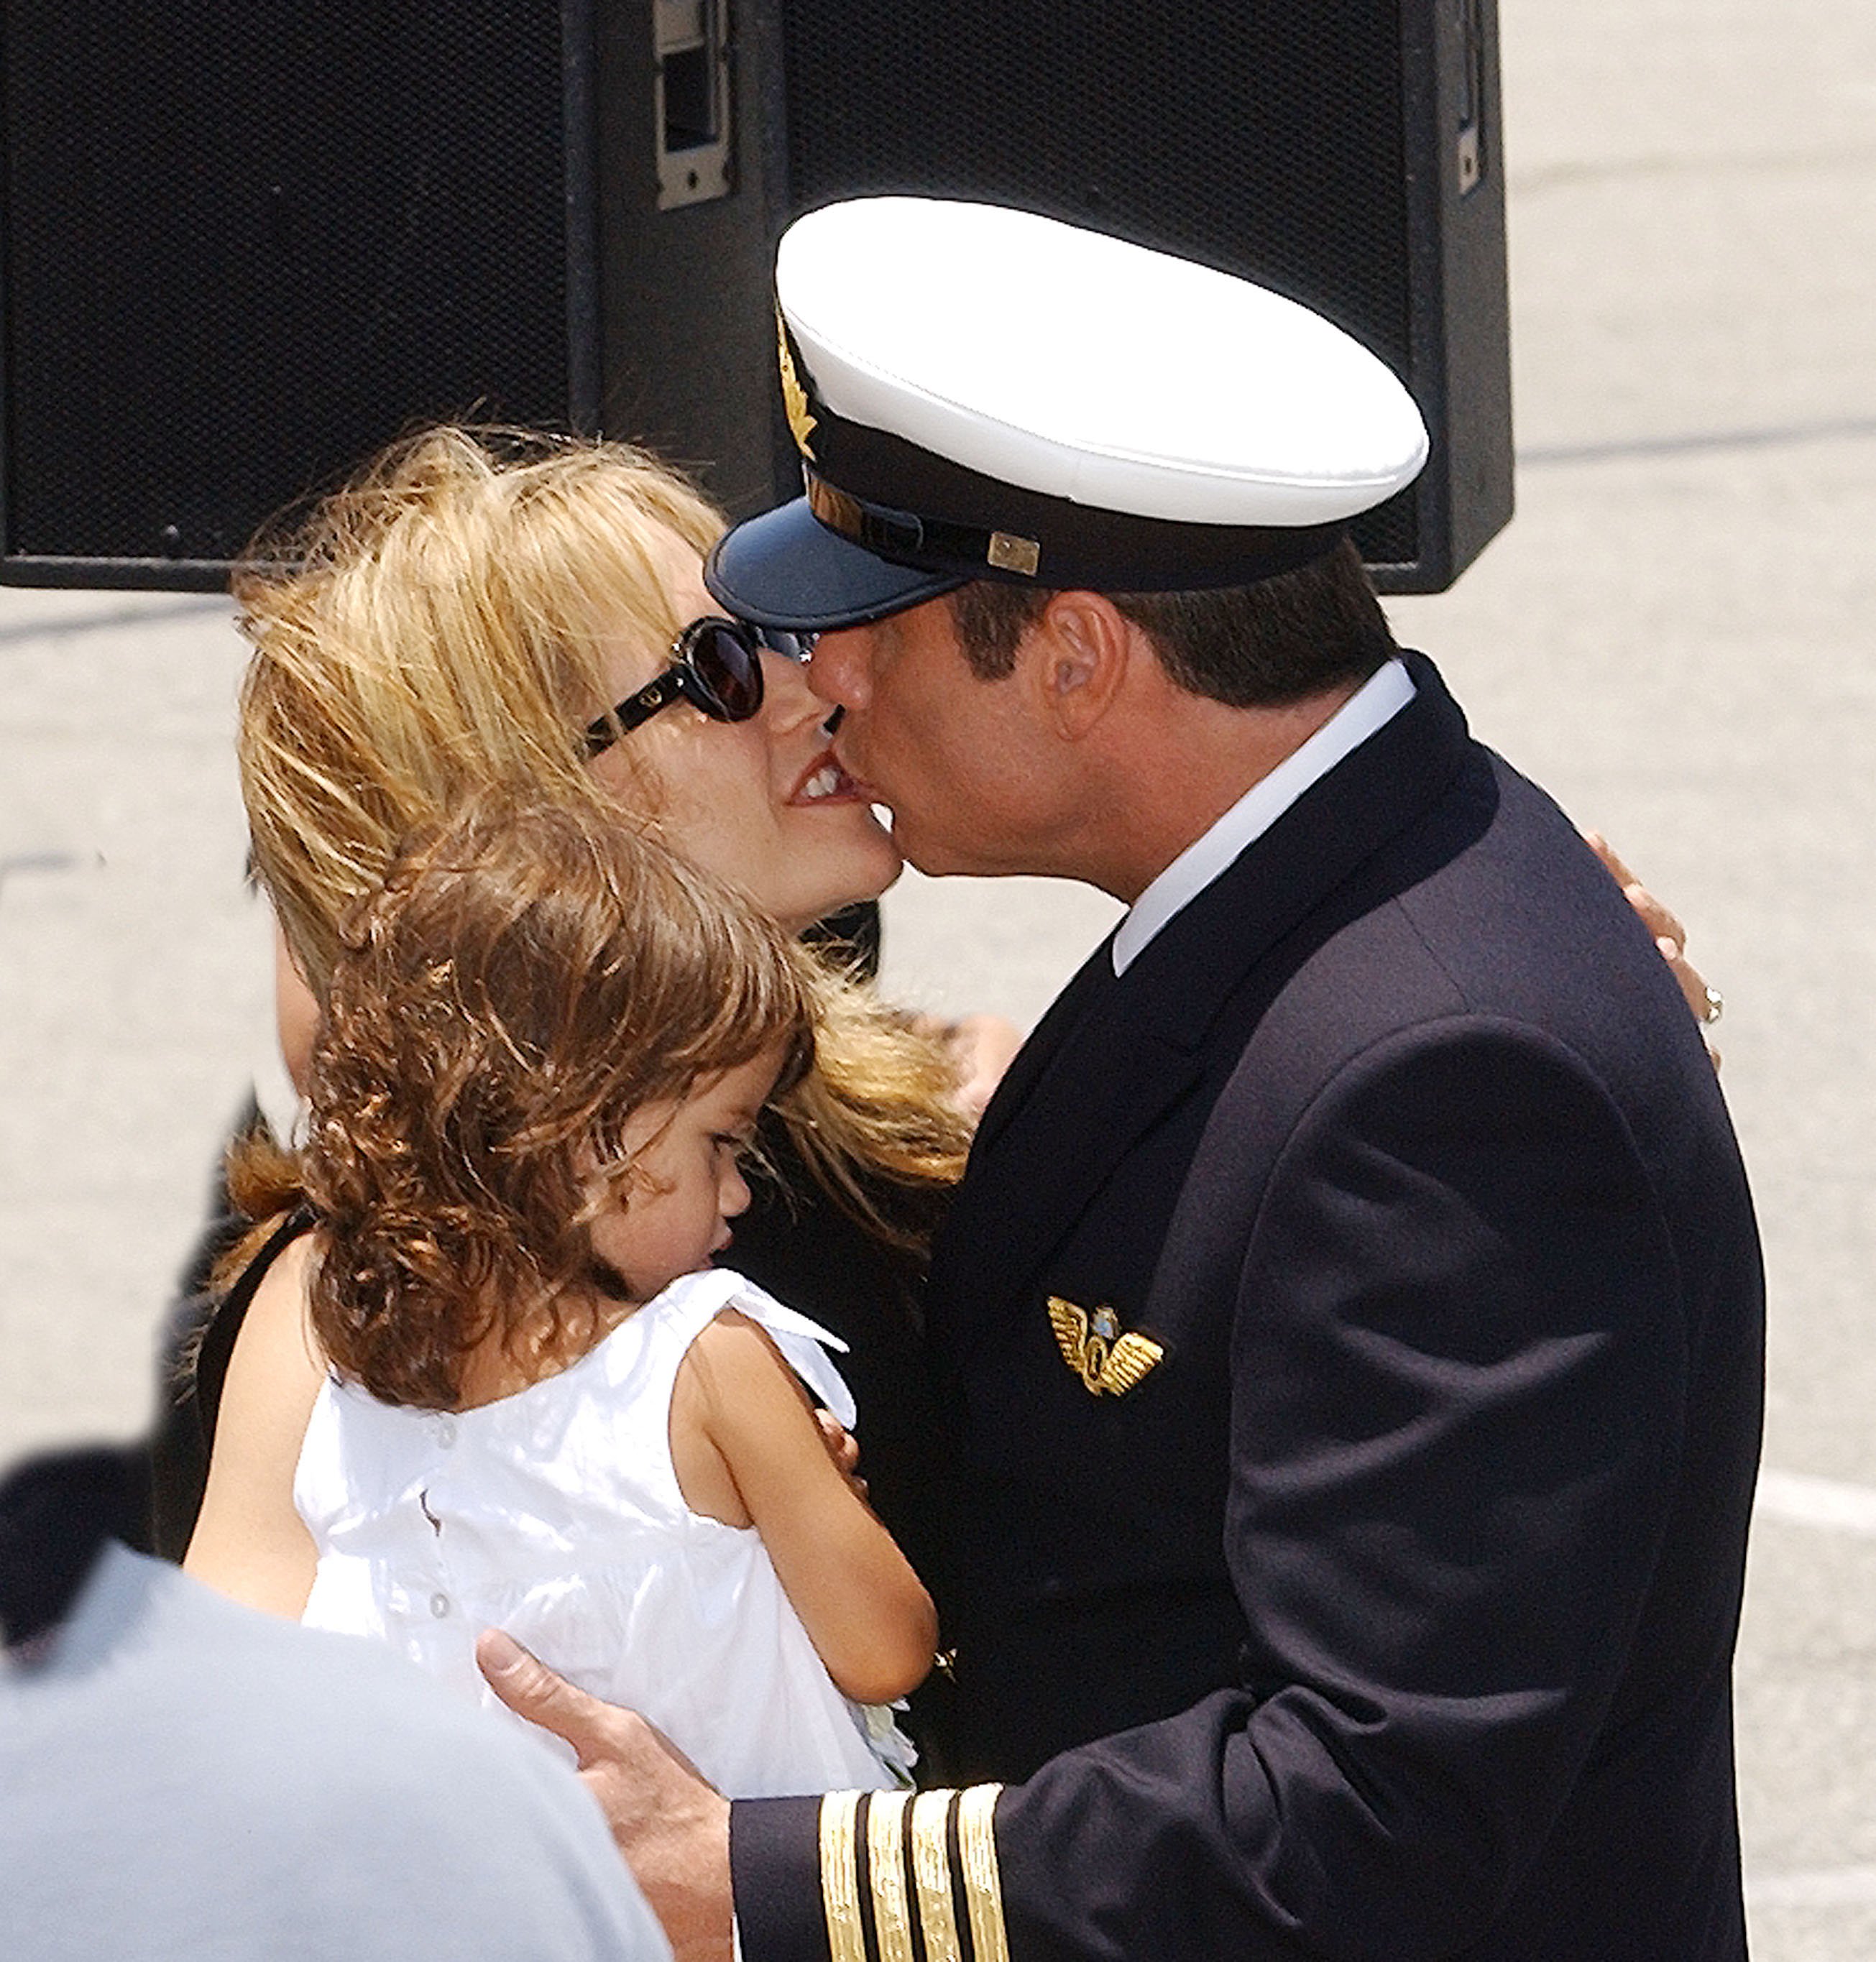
(673,1828)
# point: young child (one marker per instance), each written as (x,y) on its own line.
(546,1046)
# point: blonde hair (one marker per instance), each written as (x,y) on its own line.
(438,630)
(438,626)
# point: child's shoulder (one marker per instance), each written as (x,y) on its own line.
(699,1296)
(700,1307)
(746,1329)
(736,1345)
(730,1351)
(732,1382)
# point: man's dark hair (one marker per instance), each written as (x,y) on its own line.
(1250,647)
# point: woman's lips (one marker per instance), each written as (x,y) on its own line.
(824,781)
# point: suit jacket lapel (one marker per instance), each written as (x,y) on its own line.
(1192,967)
(1044,1042)
(1084,1103)
(1114,1054)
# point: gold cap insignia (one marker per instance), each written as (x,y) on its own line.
(801,421)
(1108,1362)
(1008,553)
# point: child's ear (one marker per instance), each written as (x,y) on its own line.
(604,1181)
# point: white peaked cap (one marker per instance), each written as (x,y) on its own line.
(983,393)
(1079,366)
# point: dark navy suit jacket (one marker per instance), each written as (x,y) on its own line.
(1391,1612)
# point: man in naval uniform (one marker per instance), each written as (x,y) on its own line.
(1352,1314)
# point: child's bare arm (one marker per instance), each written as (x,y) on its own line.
(738,1404)
(250,1542)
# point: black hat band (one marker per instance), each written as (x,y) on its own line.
(907,505)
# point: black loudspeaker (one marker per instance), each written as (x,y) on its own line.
(244,243)
(1346,152)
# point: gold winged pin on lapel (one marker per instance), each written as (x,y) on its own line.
(1107,1362)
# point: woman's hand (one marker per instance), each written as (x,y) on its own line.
(1670,936)
(981,1048)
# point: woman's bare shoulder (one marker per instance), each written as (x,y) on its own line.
(249,1541)
(276,1332)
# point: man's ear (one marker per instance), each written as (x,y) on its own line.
(1081,649)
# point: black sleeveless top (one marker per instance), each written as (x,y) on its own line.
(202,1340)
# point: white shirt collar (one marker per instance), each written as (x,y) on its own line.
(1378,701)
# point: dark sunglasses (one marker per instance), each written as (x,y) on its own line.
(716,665)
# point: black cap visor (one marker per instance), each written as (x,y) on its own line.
(786,569)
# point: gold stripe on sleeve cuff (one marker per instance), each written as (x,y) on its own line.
(885,1871)
(983,1890)
(931,1875)
(840,1876)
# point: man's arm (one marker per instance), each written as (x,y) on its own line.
(803,1898)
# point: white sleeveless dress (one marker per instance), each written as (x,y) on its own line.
(554,1514)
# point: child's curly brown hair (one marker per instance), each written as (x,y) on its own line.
(527,979)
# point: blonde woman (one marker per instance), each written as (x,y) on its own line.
(494,607)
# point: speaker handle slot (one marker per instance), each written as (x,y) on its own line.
(1471,141)
(691,105)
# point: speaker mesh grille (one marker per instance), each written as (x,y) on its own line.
(248,242)
(1263,138)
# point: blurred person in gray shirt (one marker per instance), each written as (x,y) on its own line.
(180,1776)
